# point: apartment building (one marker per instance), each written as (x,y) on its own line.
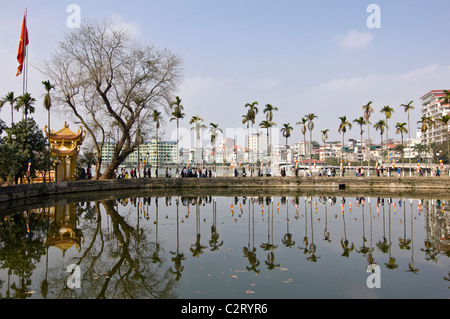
(432,106)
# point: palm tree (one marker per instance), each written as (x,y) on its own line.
(343,129)
(401,129)
(425,123)
(286,130)
(407,108)
(380,126)
(361,122)
(197,121)
(251,115)
(324,139)
(303,129)
(268,126)
(156,118)
(368,110)
(246,119)
(310,117)
(177,114)
(27,102)
(214,129)
(9,97)
(444,119)
(387,110)
(47,99)
(268,110)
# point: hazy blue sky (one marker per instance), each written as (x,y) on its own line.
(301,56)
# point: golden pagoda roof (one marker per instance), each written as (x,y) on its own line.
(65,134)
(64,150)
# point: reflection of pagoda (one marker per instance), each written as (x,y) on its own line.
(63,233)
(65,144)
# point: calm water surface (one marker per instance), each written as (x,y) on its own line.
(228,247)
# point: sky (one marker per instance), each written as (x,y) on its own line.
(320,57)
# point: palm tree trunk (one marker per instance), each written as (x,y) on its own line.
(304,157)
(409,147)
(387,146)
(362,157)
(403,155)
(178,142)
(48,120)
(368,162)
(310,157)
(156,151)
(342,155)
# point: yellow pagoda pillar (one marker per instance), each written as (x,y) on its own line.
(65,144)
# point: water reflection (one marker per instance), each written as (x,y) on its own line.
(234,247)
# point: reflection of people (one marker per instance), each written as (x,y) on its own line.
(438,171)
(244,173)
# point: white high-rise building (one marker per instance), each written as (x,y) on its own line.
(257,146)
(432,106)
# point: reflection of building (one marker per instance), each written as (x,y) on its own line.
(438,224)
(65,144)
(63,233)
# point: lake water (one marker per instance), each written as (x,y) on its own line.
(239,247)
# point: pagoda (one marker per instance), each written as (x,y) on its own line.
(66,145)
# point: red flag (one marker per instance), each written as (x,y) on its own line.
(21,53)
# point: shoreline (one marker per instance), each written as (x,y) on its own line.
(411,185)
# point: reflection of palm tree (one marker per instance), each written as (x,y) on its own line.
(197,248)
(252,260)
(363,249)
(178,256)
(383,244)
(305,238)
(430,251)
(391,264)
(214,242)
(269,246)
(250,250)
(155,255)
(411,267)
(346,246)
(326,233)
(404,243)
(287,239)
(312,248)
(370,258)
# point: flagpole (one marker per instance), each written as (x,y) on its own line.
(26,51)
(25,66)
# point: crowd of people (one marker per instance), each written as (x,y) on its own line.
(187,172)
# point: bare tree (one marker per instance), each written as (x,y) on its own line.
(105,78)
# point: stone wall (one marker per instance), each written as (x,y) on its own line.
(434,185)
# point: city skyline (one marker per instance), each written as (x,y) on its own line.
(299,56)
